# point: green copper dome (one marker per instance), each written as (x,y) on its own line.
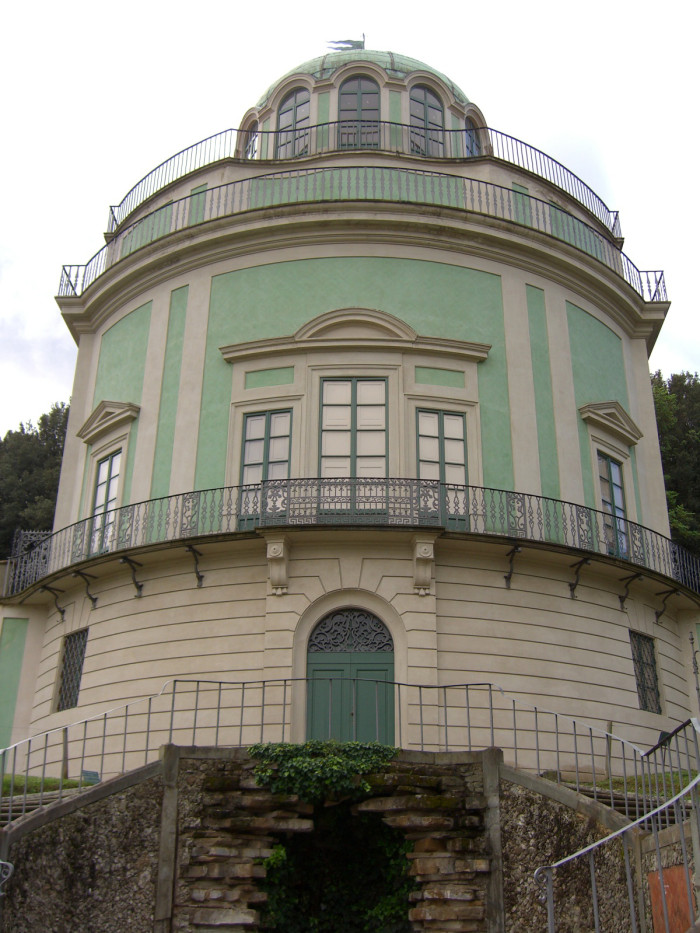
(399,66)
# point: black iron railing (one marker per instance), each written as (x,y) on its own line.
(362,183)
(380,136)
(350,502)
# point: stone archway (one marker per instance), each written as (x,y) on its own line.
(350,671)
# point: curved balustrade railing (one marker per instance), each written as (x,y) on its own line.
(351,135)
(454,717)
(385,502)
(624,885)
(362,183)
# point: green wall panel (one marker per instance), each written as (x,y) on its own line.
(544,397)
(169,392)
(598,368)
(13,636)
(122,360)
(261,378)
(436,299)
(120,373)
(433,376)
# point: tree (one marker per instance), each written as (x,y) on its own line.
(30,464)
(677,403)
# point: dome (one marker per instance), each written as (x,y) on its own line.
(395,65)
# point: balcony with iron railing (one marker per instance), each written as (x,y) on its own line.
(378,136)
(391,503)
(357,184)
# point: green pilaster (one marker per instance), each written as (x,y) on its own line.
(13,635)
(167,412)
(544,396)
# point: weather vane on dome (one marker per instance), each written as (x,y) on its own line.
(341,45)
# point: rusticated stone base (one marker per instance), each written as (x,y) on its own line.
(227,826)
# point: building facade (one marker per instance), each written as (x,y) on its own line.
(362,393)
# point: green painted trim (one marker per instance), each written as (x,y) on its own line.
(13,637)
(544,395)
(277,376)
(169,393)
(433,376)
(522,212)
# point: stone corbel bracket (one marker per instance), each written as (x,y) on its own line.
(277,559)
(423,563)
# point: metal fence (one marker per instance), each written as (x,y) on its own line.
(393,502)
(348,135)
(617,874)
(456,717)
(362,183)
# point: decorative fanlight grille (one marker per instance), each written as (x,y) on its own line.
(350,630)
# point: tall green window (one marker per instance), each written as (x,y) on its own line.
(442,457)
(265,457)
(644,661)
(358,114)
(266,443)
(293,124)
(427,122)
(104,501)
(613,500)
(353,428)
(442,450)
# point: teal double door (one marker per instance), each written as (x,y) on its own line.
(350,696)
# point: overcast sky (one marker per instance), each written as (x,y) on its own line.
(97,95)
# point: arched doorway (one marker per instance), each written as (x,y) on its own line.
(350,671)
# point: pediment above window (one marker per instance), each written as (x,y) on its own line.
(355,323)
(612,418)
(108,416)
(356,329)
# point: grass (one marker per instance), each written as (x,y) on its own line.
(33,784)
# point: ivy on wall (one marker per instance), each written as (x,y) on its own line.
(317,770)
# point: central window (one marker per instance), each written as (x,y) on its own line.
(353,428)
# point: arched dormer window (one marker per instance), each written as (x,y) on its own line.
(251,141)
(358,114)
(473,143)
(293,124)
(427,122)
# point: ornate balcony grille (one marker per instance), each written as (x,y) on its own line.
(391,502)
(363,183)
